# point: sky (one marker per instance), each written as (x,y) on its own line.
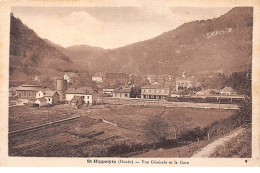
(108,27)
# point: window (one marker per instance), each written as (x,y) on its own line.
(49,99)
(87,97)
(126,95)
(149,90)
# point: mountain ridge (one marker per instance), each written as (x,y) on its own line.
(216,45)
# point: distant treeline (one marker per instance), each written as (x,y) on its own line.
(241,82)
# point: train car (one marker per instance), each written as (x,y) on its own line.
(224,100)
(211,99)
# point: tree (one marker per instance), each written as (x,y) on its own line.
(156,129)
(135,92)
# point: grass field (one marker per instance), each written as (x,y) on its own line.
(97,128)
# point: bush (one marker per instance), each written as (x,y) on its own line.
(156,129)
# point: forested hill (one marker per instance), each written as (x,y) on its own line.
(215,45)
(210,46)
(30,55)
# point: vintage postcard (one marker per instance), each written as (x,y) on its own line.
(137,83)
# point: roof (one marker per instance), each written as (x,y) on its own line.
(76,98)
(81,90)
(116,75)
(227,89)
(13,88)
(99,74)
(49,93)
(44,89)
(23,88)
(122,90)
(42,99)
(32,85)
(155,85)
(208,91)
(185,81)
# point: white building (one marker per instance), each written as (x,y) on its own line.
(41,102)
(41,92)
(52,97)
(98,77)
(122,93)
(69,76)
(155,91)
(228,91)
(108,91)
(85,92)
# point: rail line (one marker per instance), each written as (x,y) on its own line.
(43,125)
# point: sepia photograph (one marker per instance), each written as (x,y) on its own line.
(130,82)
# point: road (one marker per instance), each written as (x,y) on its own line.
(211,148)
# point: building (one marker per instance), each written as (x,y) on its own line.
(182,84)
(155,91)
(207,92)
(28,91)
(41,92)
(227,91)
(52,97)
(12,91)
(87,93)
(41,102)
(69,76)
(77,101)
(98,77)
(108,91)
(122,93)
(152,78)
(36,78)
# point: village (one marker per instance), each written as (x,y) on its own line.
(111,86)
(91,121)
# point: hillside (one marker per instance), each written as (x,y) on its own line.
(215,45)
(30,55)
(82,55)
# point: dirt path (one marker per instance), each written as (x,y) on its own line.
(211,148)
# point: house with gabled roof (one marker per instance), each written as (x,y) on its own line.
(52,97)
(122,93)
(207,92)
(227,91)
(41,92)
(87,93)
(41,102)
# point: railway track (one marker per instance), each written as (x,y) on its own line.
(16,132)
